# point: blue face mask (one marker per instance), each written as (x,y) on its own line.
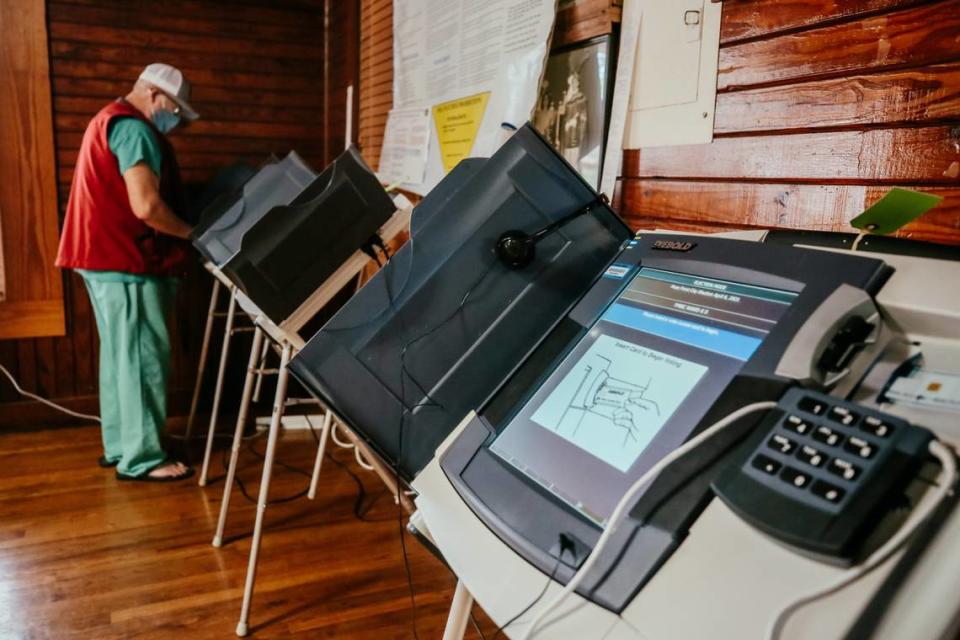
(165,120)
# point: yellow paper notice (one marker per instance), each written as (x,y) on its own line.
(458,122)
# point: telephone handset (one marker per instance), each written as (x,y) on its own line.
(819,472)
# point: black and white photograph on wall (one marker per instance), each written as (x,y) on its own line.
(572,107)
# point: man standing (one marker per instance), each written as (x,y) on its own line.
(123,236)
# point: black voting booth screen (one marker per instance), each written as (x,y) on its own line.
(294,248)
(288,229)
(229,216)
(435,331)
(637,383)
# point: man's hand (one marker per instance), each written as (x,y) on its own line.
(143,190)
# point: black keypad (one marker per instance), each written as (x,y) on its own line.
(797,425)
(827,436)
(844,469)
(829,492)
(822,469)
(813,457)
(860,447)
(795,477)
(812,405)
(766,464)
(844,416)
(782,444)
(877,427)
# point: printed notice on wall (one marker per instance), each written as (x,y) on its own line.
(447,51)
(458,122)
(403,158)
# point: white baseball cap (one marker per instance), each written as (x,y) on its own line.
(171,81)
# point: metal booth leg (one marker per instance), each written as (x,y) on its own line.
(201,368)
(238,435)
(261,372)
(278,405)
(459,613)
(321,448)
(224,352)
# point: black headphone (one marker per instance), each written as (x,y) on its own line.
(517,249)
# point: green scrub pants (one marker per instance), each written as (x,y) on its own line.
(131,312)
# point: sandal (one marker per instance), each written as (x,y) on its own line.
(188,473)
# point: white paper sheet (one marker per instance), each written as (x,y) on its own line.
(446,50)
(406,141)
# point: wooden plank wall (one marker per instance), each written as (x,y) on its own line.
(584,19)
(33,300)
(342,58)
(822,106)
(259,83)
(376,75)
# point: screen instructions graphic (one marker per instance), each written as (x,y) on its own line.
(616,398)
(637,384)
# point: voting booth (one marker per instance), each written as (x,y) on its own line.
(617,409)
(283,246)
(289,228)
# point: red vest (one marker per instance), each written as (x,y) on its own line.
(100,230)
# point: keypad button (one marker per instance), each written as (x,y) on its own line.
(797,478)
(812,405)
(876,426)
(765,464)
(827,436)
(797,425)
(782,444)
(844,469)
(844,416)
(831,493)
(860,447)
(811,456)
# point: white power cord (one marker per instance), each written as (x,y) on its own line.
(627,499)
(336,440)
(349,445)
(360,461)
(52,405)
(948,477)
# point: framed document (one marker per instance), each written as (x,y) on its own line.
(572,107)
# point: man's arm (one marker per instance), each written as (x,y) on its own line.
(143,190)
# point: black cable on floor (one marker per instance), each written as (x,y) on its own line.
(359,509)
(242,486)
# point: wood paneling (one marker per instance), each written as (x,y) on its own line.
(661,203)
(376,76)
(921,155)
(926,34)
(259,83)
(33,304)
(583,20)
(342,71)
(923,95)
(742,20)
(824,105)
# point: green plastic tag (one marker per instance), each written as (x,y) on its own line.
(894,210)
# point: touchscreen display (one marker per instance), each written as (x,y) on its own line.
(635,387)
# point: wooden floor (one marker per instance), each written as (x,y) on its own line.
(85,556)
